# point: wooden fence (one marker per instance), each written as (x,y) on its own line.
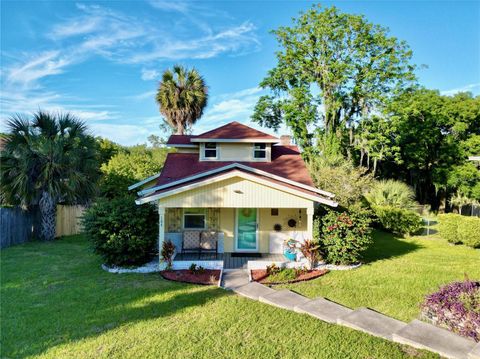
(68,220)
(18,226)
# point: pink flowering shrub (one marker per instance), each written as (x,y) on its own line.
(455,306)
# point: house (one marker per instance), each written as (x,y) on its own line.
(250,187)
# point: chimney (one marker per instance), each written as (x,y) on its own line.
(285,140)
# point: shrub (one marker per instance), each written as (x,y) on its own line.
(455,306)
(460,229)
(345,236)
(122,232)
(448,225)
(391,193)
(168,250)
(469,231)
(397,220)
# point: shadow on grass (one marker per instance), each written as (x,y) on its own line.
(387,246)
(54,299)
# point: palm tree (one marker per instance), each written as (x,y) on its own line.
(392,193)
(182,96)
(47,160)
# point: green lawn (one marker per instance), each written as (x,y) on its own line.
(56,302)
(397,275)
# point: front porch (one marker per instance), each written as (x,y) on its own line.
(229,261)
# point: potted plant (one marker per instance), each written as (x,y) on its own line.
(290,249)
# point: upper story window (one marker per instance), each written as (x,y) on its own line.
(259,150)
(210,150)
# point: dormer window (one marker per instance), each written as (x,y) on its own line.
(259,151)
(210,150)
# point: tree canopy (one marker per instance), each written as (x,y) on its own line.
(48,159)
(332,68)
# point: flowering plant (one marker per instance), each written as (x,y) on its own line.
(455,306)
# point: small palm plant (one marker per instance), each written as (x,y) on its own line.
(182,96)
(392,193)
(46,160)
(311,250)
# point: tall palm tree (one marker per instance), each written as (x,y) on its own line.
(182,96)
(47,160)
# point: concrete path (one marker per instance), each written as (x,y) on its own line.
(285,299)
(232,279)
(475,353)
(371,322)
(426,336)
(323,309)
(416,334)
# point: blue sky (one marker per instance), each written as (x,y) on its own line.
(102,59)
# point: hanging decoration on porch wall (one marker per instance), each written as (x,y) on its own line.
(213,218)
(173,219)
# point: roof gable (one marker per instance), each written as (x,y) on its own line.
(235,131)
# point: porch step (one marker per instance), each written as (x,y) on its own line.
(323,309)
(427,336)
(254,290)
(234,278)
(285,299)
(371,322)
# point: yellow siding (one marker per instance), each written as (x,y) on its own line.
(265,225)
(227,226)
(235,193)
(237,152)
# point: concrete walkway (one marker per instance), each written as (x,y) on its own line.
(416,334)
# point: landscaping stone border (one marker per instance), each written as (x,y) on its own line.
(150,267)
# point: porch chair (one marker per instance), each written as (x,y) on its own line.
(191,242)
(209,242)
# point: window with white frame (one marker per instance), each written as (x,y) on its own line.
(259,150)
(194,218)
(210,150)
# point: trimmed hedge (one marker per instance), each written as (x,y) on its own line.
(397,220)
(123,233)
(458,229)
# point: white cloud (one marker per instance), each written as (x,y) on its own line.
(36,67)
(148,75)
(168,5)
(144,96)
(124,134)
(475,88)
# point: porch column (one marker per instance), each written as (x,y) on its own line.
(161,230)
(310,222)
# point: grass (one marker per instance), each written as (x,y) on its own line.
(56,302)
(397,275)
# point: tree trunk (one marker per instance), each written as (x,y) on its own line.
(374,166)
(47,212)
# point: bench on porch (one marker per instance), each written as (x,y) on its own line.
(200,242)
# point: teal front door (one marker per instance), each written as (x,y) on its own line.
(246,230)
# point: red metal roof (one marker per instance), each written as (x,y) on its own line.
(236,131)
(180,140)
(286,162)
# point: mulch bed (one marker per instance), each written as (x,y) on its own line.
(260,275)
(207,277)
